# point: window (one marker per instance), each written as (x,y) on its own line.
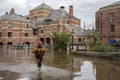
(47,22)
(41,31)
(112,16)
(79,39)
(68,22)
(9,25)
(0,25)
(27,18)
(35,31)
(35,17)
(47,31)
(9,34)
(26,34)
(54,30)
(26,25)
(112,28)
(0,34)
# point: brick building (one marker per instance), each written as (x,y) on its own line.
(47,20)
(15,29)
(108,23)
(39,25)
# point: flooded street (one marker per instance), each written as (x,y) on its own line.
(19,65)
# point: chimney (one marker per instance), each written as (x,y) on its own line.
(6,13)
(62,7)
(71,12)
(12,11)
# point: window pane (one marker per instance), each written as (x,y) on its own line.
(112,28)
(9,25)
(0,25)
(41,31)
(9,34)
(47,31)
(0,34)
(26,34)
(79,39)
(26,25)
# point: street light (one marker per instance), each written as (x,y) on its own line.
(72,38)
(101,27)
(20,32)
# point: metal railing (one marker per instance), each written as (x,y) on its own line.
(15,49)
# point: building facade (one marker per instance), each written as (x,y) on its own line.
(47,20)
(108,23)
(15,29)
(40,24)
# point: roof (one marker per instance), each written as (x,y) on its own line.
(116,3)
(55,16)
(14,17)
(78,31)
(111,6)
(42,6)
(81,32)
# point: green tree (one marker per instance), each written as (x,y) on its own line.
(61,40)
(96,39)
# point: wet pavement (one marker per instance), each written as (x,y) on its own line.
(19,65)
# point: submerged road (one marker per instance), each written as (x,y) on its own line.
(21,65)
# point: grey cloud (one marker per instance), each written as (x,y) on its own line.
(83,9)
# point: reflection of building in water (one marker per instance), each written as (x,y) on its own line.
(77,62)
(107,72)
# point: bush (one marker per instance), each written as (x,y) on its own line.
(102,48)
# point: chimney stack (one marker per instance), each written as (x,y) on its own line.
(62,7)
(6,13)
(71,12)
(12,11)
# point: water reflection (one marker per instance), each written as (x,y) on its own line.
(57,65)
(97,69)
(87,72)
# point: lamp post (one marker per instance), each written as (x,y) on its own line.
(101,27)
(20,33)
(72,38)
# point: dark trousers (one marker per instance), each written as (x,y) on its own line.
(40,62)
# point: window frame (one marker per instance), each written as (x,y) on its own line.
(9,34)
(10,24)
(1,34)
(112,28)
(26,25)
(26,35)
(0,25)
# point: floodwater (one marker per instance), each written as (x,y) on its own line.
(57,65)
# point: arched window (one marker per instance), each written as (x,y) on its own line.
(79,40)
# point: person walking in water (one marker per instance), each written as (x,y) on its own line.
(39,53)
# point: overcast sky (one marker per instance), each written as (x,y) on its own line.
(83,9)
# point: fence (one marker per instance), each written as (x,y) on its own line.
(16,49)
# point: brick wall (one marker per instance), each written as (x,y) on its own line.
(104,20)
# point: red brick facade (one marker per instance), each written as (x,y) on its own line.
(108,23)
(19,29)
(46,28)
(16,30)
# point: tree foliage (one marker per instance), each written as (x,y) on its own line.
(61,40)
(96,39)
